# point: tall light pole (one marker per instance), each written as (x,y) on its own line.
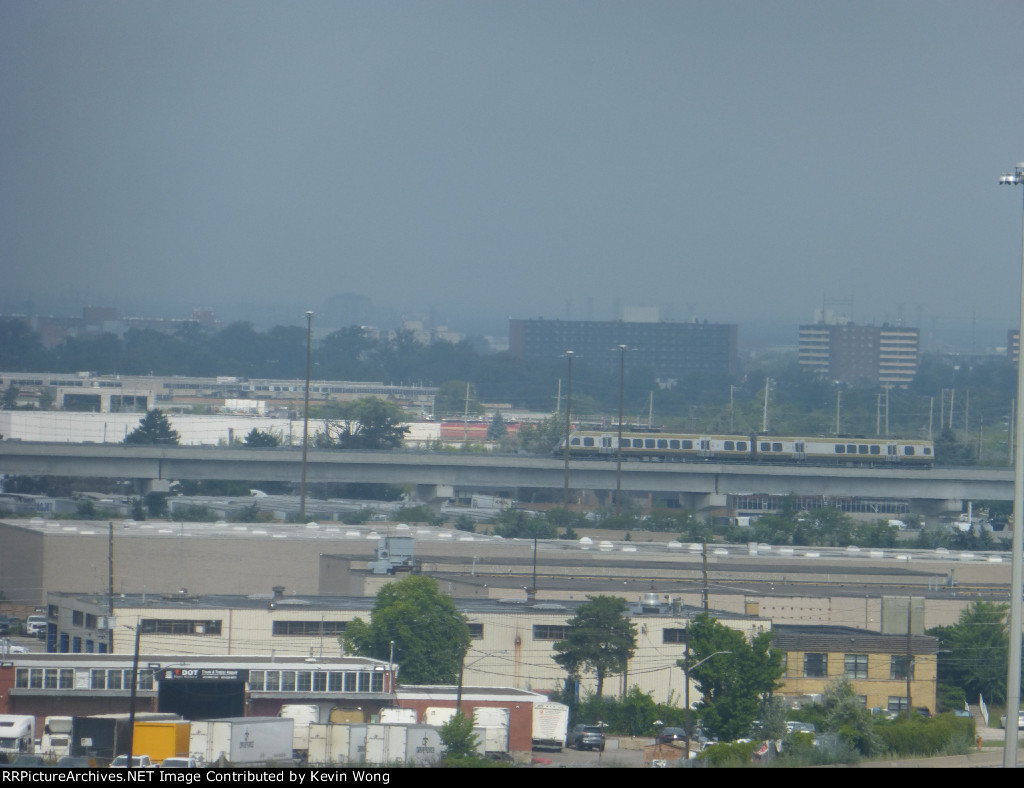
(618,446)
(305,418)
(1013,668)
(687,667)
(568,425)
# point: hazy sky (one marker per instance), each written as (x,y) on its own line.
(724,160)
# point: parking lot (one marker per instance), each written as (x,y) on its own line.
(628,756)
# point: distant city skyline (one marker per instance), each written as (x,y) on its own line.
(463,163)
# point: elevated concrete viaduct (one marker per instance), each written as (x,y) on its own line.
(694,485)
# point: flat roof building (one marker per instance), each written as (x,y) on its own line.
(674,351)
(861,355)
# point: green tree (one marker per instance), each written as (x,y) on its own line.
(154,430)
(497,429)
(847,717)
(733,683)
(950,451)
(458,738)
(430,636)
(451,400)
(259,439)
(517,524)
(369,423)
(973,651)
(10,398)
(599,638)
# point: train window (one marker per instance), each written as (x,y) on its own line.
(851,448)
(776,447)
(765,446)
(926,450)
(588,441)
(705,445)
(662,443)
(638,443)
(729,446)
(674,443)
(649,443)
(840,448)
(862,449)
(798,447)
(890,449)
(876,449)
(687,444)
(606,443)
(741,445)
(575,442)
(908,451)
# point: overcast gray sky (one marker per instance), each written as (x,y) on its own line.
(725,160)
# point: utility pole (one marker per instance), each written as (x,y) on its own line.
(305,417)
(704,574)
(110,584)
(568,426)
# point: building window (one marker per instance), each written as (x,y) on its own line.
(855,666)
(350,683)
(476,631)
(287,681)
(673,635)
(815,665)
(179,626)
(898,667)
(549,631)
(90,620)
(77,618)
(256,680)
(364,681)
(308,628)
(376,682)
(304,681)
(897,703)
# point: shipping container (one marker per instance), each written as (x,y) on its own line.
(374,744)
(242,741)
(160,740)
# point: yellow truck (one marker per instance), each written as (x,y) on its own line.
(161,740)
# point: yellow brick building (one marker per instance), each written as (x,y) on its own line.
(875,664)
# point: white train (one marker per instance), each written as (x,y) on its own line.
(677,447)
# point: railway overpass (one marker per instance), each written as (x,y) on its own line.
(694,485)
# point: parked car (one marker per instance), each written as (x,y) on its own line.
(138,762)
(587,737)
(179,763)
(8,625)
(1020,719)
(75,762)
(29,761)
(35,626)
(669,735)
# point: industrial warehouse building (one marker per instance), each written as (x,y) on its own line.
(512,641)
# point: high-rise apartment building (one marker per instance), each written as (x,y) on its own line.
(848,353)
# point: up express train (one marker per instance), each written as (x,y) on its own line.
(673,447)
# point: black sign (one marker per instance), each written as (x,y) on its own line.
(204,674)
